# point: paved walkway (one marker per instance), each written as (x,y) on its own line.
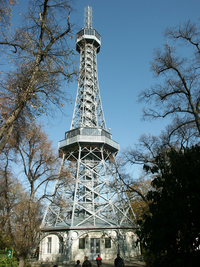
(132,263)
(135,262)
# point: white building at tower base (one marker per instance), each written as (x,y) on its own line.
(89,243)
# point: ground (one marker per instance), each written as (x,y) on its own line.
(135,262)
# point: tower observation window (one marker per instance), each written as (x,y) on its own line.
(80,33)
(90,131)
(106,134)
(72,133)
(97,35)
(89,32)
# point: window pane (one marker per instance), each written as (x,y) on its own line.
(60,248)
(107,242)
(81,243)
(48,244)
(98,245)
(92,245)
(133,241)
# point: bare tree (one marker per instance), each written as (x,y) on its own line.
(136,189)
(38,168)
(40,55)
(5,14)
(144,152)
(177,93)
(15,212)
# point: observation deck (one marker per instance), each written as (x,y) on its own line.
(88,136)
(88,36)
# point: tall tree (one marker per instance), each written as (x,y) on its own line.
(146,150)
(170,232)
(136,189)
(40,55)
(7,199)
(137,193)
(38,167)
(19,223)
(177,92)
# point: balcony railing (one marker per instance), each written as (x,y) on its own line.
(88,135)
(88,32)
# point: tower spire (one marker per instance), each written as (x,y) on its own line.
(88,18)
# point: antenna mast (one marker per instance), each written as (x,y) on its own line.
(88,18)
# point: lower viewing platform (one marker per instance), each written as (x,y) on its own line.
(87,135)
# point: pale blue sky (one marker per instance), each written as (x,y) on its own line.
(130,30)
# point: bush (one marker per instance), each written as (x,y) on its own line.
(7,262)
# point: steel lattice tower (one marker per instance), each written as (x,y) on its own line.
(94,198)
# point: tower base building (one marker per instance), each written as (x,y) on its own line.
(88,243)
(89,212)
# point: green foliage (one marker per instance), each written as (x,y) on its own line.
(4,238)
(6,262)
(170,232)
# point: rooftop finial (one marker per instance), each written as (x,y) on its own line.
(88,18)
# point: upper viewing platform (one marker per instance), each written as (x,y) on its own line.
(88,34)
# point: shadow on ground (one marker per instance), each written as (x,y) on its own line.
(135,262)
(132,263)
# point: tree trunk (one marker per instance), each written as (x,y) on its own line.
(7,127)
(21,261)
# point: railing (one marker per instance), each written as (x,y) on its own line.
(88,139)
(88,32)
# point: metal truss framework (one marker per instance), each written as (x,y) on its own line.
(94,197)
(88,109)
